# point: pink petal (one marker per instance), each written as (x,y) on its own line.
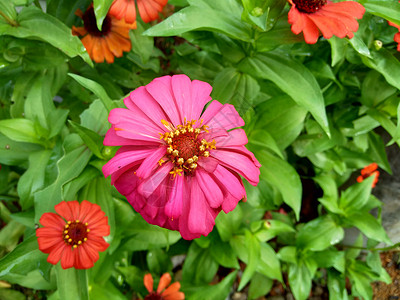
(173,208)
(149,185)
(112,139)
(151,162)
(210,188)
(124,157)
(160,89)
(227,117)
(142,103)
(208,163)
(239,163)
(127,125)
(235,137)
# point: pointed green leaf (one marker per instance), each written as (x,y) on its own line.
(293,78)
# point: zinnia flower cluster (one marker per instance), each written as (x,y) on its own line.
(397,35)
(314,16)
(179,166)
(164,290)
(74,234)
(109,42)
(126,9)
(370,170)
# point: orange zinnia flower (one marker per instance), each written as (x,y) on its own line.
(314,16)
(74,234)
(370,170)
(110,42)
(163,292)
(126,9)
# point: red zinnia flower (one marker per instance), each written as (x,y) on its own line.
(110,42)
(74,234)
(179,166)
(397,35)
(314,16)
(370,170)
(163,292)
(148,9)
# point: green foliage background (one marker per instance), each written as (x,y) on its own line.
(312,112)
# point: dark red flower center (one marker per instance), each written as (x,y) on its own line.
(75,233)
(309,6)
(89,22)
(153,296)
(184,146)
(187,144)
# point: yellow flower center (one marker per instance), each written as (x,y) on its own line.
(75,233)
(184,147)
(308,6)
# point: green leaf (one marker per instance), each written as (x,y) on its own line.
(253,258)
(217,291)
(361,281)
(239,89)
(100,8)
(206,15)
(282,118)
(90,118)
(358,44)
(24,258)
(338,47)
(356,196)
(15,153)
(141,45)
(92,140)
(69,166)
(97,89)
(387,9)
(20,130)
(377,151)
(386,64)
(146,236)
(336,286)
(291,77)
(199,266)
(272,229)
(369,226)
(300,280)
(228,224)
(288,254)
(261,138)
(224,254)
(33,23)
(7,8)
(158,261)
(260,285)
(319,234)
(284,177)
(330,258)
(33,179)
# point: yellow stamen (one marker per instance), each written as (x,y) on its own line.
(88,230)
(202,148)
(67,236)
(180,160)
(169,141)
(69,222)
(65,231)
(190,160)
(176,171)
(66,226)
(80,242)
(161,161)
(206,153)
(77,221)
(85,239)
(75,246)
(195,158)
(86,223)
(193,165)
(175,153)
(70,240)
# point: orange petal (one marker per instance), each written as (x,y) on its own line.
(148,282)
(68,258)
(164,282)
(79,31)
(55,255)
(98,53)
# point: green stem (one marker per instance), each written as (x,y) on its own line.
(9,21)
(374,249)
(81,276)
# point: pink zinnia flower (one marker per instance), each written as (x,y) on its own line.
(327,17)
(179,166)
